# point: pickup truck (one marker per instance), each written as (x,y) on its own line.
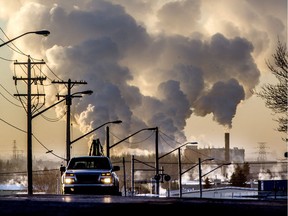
(90,175)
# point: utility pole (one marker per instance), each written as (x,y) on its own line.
(69,97)
(180,172)
(157,161)
(200,177)
(29,96)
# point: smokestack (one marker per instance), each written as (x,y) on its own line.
(227,147)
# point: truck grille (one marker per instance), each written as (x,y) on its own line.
(87,179)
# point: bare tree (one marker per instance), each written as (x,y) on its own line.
(275,96)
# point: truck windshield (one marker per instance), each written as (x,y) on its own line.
(89,163)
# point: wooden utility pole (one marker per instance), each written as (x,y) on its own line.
(29,96)
(69,97)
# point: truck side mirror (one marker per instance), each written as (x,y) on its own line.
(115,168)
(62,168)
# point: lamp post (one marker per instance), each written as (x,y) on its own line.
(42,32)
(200,172)
(29,112)
(179,163)
(47,108)
(110,122)
(108,147)
(68,99)
(180,192)
(157,162)
(76,94)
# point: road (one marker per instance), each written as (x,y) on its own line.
(64,205)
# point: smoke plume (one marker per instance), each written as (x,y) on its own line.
(149,63)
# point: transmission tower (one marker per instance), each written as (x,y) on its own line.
(14,150)
(16,153)
(262,153)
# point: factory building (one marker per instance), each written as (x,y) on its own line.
(225,154)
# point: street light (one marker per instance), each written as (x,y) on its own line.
(47,108)
(200,172)
(68,99)
(108,147)
(42,32)
(110,122)
(76,94)
(208,159)
(71,142)
(176,149)
(89,92)
(179,164)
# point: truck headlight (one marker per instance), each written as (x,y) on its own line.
(106,178)
(69,178)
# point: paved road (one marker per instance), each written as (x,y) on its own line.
(64,205)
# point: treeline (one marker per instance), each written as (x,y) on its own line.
(46,174)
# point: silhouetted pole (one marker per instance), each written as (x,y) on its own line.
(124,176)
(157,161)
(29,132)
(179,164)
(107,141)
(68,98)
(29,108)
(29,80)
(68,120)
(200,177)
(132,175)
(200,172)
(180,172)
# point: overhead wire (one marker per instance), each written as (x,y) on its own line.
(11,43)
(197,151)
(37,100)
(53,119)
(10,95)
(48,150)
(12,125)
(137,142)
(5,59)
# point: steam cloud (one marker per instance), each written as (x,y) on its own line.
(152,63)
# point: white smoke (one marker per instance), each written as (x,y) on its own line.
(273,173)
(19,182)
(150,63)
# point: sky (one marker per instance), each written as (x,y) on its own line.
(187,67)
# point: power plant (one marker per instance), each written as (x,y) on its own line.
(225,154)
